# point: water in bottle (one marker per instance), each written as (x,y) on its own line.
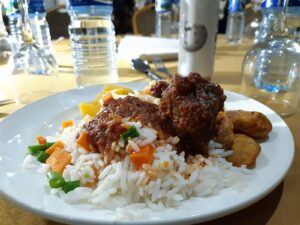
(271,69)
(92,37)
(235,22)
(163,20)
(270,11)
(38,23)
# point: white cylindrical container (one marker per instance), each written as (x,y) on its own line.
(198,30)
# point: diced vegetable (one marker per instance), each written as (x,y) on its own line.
(144,156)
(67,123)
(107,98)
(42,156)
(90,109)
(70,185)
(35,149)
(118,89)
(83,141)
(41,140)
(57,145)
(130,133)
(58,160)
(55,180)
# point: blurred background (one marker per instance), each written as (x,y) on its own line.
(129,16)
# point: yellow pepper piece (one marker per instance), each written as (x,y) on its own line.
(89,109)
(94,107)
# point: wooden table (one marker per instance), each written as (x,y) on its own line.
(280,207)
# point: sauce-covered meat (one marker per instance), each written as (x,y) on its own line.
(192,104)
(158,88)
(106,127)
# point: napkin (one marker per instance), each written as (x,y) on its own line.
(146,48)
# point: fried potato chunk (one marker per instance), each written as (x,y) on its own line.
(245,151)
(225,133)
(253,124)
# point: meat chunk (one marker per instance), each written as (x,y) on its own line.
(158,88)
(253,124)
(106,127)
(103,130)
(191,104)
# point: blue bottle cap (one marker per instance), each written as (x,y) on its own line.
(89,2)
(163,5)
(269,3)
(36,6)
(234,6)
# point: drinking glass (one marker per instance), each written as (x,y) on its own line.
(271,70)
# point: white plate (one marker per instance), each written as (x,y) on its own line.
(26,188)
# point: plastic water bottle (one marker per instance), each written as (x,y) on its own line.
(5,46)
(92,37)
(163,23)
(38,23)
(270,12)
(14,23)
(235,22)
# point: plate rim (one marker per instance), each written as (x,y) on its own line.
(187,220)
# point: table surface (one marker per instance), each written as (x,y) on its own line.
(280,207)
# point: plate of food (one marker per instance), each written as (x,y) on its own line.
(166,153)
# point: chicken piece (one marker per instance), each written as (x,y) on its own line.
(245,151)
(191,104)
(253,124)
(225,133)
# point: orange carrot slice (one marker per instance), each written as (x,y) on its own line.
(83,141)
(56,146)
(144,156)
(59,160)
(107,98)
(67,123)
(41,140)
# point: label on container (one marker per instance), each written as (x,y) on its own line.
(163,5)
(36,6)
(234,6)
(89,2)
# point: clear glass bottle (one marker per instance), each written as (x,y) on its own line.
(270,71)
(92,36)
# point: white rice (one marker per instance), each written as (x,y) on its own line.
(170,179)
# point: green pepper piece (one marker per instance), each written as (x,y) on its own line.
(130,133)
(55,180)
(70,185)
(42,156)
(35,149)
